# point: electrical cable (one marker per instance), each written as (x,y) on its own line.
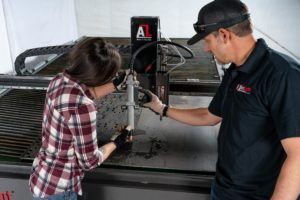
(131,63)
(182,59)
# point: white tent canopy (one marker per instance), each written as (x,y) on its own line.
(33,23)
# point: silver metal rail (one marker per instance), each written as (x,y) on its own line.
(24,82)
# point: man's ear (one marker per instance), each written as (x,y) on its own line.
(225,35)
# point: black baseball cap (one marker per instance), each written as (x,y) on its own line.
(218,14)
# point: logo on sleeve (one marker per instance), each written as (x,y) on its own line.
(243,88)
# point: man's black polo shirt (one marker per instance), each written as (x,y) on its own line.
(260,105)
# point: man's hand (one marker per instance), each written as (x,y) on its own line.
(155,104)
(120,80)
(122,136)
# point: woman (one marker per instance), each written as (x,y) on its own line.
(69,138)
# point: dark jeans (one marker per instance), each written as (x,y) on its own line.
(68,195)
(213,192)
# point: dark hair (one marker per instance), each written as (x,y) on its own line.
(242,29)
(94,61)
(232,10)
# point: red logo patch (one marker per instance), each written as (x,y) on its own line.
(243,88)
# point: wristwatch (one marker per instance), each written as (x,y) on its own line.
(165,110)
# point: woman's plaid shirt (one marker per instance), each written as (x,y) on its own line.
(69,139)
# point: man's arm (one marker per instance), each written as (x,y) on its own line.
(288,183)
(195,117)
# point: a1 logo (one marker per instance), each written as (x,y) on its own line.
(143,32)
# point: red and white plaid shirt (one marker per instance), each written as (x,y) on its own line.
(69,139)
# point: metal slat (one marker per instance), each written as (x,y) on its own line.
(17,111)
(12,102)
(11,144)
(16,137)
(35,101)
(17,149)
(20,124)
(19,129)
(20,121)
(10,154)
(15,114)
(14,142)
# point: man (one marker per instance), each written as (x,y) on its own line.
(258,103)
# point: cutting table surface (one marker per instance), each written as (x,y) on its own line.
(171,145)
